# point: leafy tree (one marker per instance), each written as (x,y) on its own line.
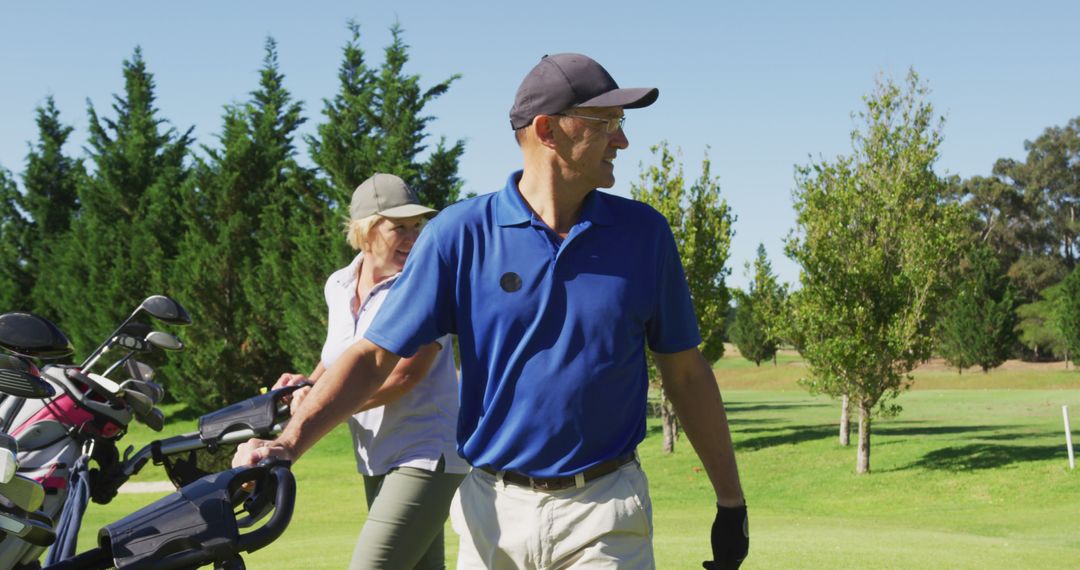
(1037,325)
(235,241)
(1032,274)
(1068,314)
(1004,217)
(126,231)
(876,244)
(978,321)
(1052,170)
(757,328)
(701,223)
(15,230)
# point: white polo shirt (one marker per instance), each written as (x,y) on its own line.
(421,426)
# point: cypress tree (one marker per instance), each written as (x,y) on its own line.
(125,234)
(15,229)
(1068,314)
(749,332)
(236,246)
(374,123)
(755,331)
(978,324)
(50,181)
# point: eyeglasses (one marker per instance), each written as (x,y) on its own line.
(610,125)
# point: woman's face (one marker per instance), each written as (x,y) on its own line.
(391,240)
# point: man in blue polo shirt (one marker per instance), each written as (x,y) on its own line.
(554,290)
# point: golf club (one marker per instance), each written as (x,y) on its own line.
(21,378)
(152,390)
(30,335)
(24,493)
(160,307)
(155,339)
(9,461)
(33,531)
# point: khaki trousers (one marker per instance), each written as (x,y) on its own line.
(605,524)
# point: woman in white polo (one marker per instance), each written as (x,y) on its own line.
(404,436)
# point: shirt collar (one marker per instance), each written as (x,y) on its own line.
(347,276)
(511,209)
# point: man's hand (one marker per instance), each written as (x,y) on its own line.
(730,538)
(252,451)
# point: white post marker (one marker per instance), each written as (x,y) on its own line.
(1068,437)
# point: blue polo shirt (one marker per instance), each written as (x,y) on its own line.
(552,331)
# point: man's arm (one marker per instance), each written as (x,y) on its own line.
(691,387)
(406,375)
(341,390)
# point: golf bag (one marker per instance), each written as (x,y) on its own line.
(80,421)
(199,524)
(23,339)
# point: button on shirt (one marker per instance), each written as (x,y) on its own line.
(418,428)
(552,332)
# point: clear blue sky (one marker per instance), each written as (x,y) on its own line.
(763,85)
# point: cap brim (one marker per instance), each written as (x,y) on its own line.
(408,211)
(632,98)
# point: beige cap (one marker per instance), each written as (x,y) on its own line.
(388,196)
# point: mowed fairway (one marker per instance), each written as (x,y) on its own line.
(964,477)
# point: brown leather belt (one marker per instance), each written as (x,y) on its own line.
(564,482)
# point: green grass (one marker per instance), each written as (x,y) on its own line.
(974,476)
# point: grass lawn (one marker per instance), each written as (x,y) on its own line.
(972,474)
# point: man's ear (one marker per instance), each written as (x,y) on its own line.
(545,131)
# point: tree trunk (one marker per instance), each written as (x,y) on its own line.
(671,424)
(862,464)
(845,422)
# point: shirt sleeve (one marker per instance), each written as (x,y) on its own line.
(673,325)
(419,308)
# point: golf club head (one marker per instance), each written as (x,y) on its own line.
(165,309)
(164,341)
(139,370)
(154,420)
(24,493)
(104,383)
(9,461)
(140,403)
(21,378)
(28,529)
(153,390)
(132,343)
(33,336)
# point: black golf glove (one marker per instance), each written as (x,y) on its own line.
(730,538)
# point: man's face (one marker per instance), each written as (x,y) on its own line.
(586,147)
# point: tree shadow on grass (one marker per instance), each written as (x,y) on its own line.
(908,431)
(984,456)
(736,407)
(787,435)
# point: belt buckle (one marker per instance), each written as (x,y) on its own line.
(544,484)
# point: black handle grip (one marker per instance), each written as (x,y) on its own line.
(284,501)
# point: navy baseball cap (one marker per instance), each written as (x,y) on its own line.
(567,80)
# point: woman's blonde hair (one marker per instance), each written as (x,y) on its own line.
(357,232)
